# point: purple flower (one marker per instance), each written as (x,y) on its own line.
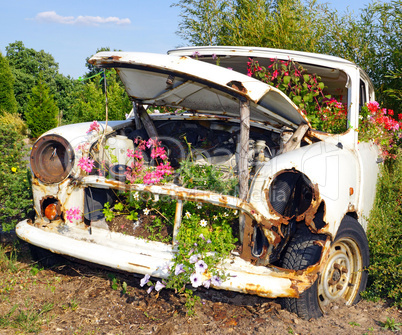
(200,266)
(216,281)
(144,280)
(150,289)
(196,54)
(206,283)
(202,236)
(214,56)
(159,286)
(209,241)
(195,279)
(193,259)
(179,269)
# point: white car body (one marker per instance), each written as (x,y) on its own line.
(342,171)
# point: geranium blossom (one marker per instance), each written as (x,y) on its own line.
(74,213)
(94,126)
(86,164)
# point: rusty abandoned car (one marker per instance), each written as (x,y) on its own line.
(303,194)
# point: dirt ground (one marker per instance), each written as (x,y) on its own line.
(75,298)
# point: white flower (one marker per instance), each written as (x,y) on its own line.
(215,217)
(235,212)
(144,280)
(188,215)
(146,211)
(195,279)
(179,269)
(199,205)
(159,286)
(216,281)
(200,266)
(136,196)
(206,283)
(203,223)
(225,214)
(193,259)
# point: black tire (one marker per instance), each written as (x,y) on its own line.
(344,275)
(45,257)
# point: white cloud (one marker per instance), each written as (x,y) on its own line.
(53,17)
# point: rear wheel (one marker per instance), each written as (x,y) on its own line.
(344,275)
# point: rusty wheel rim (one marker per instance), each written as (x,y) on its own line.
(341,277)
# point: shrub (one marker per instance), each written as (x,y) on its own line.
(14,121)
(15,188)
(384,234)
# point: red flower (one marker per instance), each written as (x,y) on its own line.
(390,112)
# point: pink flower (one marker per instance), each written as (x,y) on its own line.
(74,213)
(86,164)
(94,126)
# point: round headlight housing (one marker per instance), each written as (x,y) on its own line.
(290,193)
(52,159)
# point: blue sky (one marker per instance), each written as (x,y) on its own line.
(73,30)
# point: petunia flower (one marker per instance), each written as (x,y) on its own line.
(195,279)
(193,259)
(144,280)
(178,269)
(159,286)
(207,283)
(216,281)
(150,289)
(200,266)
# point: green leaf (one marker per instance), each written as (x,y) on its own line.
(118,207)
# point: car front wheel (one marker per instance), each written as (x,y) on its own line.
(344,275)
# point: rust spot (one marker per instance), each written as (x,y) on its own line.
(237,85)
(139,265)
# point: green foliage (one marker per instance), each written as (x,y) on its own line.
(14,121)
(90,102)
(7,99)
(372,40)
(384,234)
(306,90)
(391,324)
(42,111)
(15,188)
(26,64)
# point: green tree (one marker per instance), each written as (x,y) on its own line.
(7,99)
(90,101)
(42,111)
(26,64)
(372,40)
(202,20)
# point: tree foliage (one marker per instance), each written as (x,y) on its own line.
(42,111)
(7,99)
(90,100)
(372,40)
(26,64)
